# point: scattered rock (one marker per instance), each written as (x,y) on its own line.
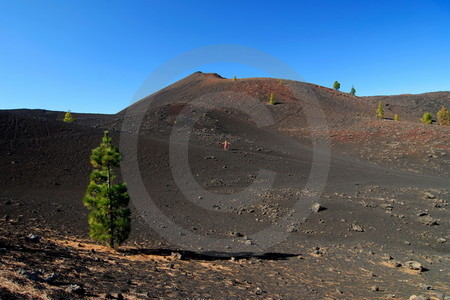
(374,288)
(171,265)
(176,255)
(357,228)
(420,297)
(76,289)
(292,229)
(34,238)
(441,240)
(387,206)
(426,287)
(318,252)
(52,277)
(428,221)
(210,157)
(387,257)
(3,250)
(258,291)
(248,242)
(317,207)
(396,264)
(33,275)
(429,195)
(414,265)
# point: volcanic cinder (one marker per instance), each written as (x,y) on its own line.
(314,199)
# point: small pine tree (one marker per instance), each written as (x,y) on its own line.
(271,99)
(380,110)
(353,91)
(234,78)
(443,116)
(396,118)
(109,219)
(336,85)
(68,118)
(427,118)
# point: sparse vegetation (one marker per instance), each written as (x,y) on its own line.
(281,81)
(68,118)
(336,85)
(443,116)
(271,99)
(353,91)
(396,117)
(427,118)
(380,110)
(109,219)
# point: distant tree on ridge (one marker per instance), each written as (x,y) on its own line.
(336,85)
(68,118)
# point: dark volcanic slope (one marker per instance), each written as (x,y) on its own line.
(384,185)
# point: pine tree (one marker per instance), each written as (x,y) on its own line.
(396,118)
(68,118)
(336,85)
(271,99)
(380,110)
(109,217)
(427,118)
(443,116)
(353,91)
(234,78)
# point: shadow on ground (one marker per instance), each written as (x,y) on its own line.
(208,256)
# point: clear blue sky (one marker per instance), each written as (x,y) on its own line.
(92,56)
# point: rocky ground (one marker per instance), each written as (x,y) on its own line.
(39,263)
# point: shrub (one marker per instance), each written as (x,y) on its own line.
(109,217)
(396,118)
(336,85)
(427,118)
(68,118)
(380,110)
(443,116)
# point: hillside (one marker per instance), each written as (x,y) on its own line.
(240,217)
